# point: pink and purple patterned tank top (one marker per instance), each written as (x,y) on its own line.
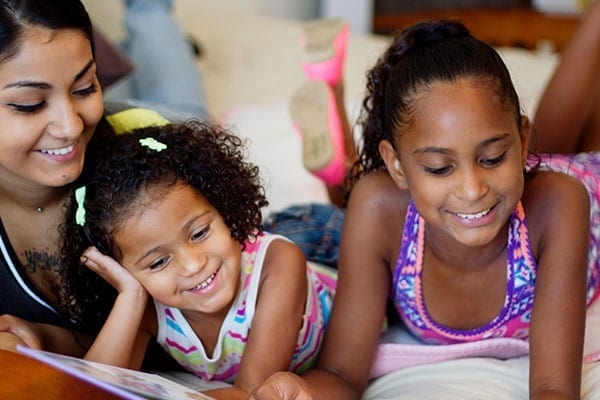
(515,316)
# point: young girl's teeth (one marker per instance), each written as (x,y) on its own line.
(205,283)
(59,152)
(474,216)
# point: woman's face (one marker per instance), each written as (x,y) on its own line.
(50,104)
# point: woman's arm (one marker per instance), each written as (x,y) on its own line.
(558,213)
(121,341)
(16,331)
(370,241)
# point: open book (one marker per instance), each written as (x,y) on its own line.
(126,383)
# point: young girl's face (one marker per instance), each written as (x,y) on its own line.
(462,159)
(181,251)
(50,103)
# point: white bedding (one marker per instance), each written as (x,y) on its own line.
(250,69)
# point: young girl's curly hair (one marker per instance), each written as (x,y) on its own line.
(204,156)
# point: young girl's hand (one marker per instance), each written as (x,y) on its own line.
(110,270)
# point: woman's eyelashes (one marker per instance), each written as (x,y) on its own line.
(93,88)
(27,108)
(35,107)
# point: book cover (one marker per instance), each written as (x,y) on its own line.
(126,383)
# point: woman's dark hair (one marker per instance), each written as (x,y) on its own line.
(204,156)
(423,54)
(17,16)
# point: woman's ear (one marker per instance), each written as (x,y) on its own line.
(393,165)
(525,136)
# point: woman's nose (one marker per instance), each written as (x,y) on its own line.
(66,121)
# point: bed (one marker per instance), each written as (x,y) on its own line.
(250,68)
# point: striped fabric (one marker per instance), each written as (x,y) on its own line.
(179,340)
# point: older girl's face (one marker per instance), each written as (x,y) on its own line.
(50,104)
(462,159)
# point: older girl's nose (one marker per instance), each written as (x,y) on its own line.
(472,185)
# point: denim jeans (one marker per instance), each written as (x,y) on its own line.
(165,74)
(315,228)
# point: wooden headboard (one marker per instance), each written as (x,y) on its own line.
(521,27)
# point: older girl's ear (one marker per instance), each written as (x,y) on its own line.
(525,136)
(392,163)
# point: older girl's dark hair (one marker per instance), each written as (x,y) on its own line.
(423,54)
(17,16)
(204,156)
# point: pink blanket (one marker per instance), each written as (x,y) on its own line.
(400,352)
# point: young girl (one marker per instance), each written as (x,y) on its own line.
(474,238)
(179,208)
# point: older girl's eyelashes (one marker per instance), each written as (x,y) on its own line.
(440,171)
(485,162)
(491,162)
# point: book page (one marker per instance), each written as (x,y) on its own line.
(127,383)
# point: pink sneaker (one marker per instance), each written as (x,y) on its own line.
(324,44)
(315,116)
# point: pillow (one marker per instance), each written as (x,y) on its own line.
(112,63)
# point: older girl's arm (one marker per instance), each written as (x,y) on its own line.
(558,214)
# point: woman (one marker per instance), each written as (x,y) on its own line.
(50,106)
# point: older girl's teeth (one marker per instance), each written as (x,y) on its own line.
(205,283)
(474,216)
(59,152)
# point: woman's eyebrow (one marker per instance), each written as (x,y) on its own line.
(44,85)
(84,69)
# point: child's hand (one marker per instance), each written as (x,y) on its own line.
(14,331)
(109,269)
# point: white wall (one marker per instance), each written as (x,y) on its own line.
(358,13)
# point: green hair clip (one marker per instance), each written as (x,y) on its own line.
(80,213)
(153,144)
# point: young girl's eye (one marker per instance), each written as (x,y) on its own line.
(438,171)
(200,233)
(158,264)
(490,162)
(87,91)
(27,108)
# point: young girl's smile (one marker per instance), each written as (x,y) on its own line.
(463,164)
(49,109)
(191,263)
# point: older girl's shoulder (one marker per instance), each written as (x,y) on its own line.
(553,190)
(377,192)
(551,200)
